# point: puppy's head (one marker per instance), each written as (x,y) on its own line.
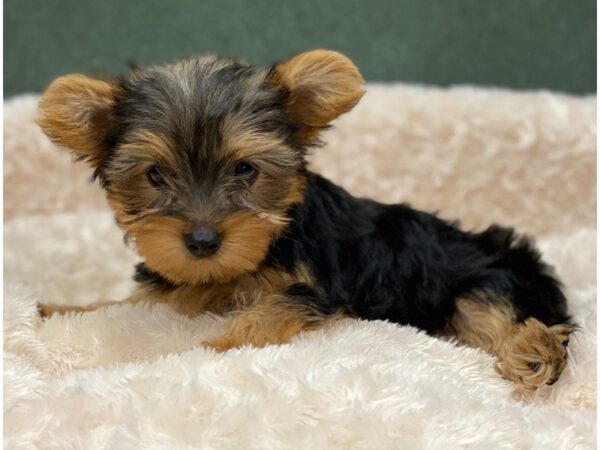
(201,159)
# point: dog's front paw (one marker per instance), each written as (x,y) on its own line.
(221,344)
(44,310)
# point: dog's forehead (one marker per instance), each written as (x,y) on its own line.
(201,109)
(208,87)
(199,95)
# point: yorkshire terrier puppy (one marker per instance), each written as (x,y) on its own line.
(203,162)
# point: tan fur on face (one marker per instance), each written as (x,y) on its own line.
(76,112)
(245,241)
(151,146)
(323,84)
(159,239)
(241,141)
(530,353)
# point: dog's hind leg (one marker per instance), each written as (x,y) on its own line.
(529,353)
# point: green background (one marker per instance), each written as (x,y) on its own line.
(524,44)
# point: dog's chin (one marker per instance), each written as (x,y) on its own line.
(245,243)
(179,267)
(184,270)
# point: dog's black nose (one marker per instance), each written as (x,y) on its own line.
(202,242)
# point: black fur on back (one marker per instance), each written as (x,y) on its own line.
(392,262)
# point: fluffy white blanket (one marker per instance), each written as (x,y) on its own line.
(138,376)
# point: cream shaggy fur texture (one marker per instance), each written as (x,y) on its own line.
(138,376)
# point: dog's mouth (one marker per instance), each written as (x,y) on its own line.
(203,253)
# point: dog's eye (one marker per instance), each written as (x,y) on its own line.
(155,177)
(244,168)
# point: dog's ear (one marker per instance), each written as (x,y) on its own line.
(322,85)
(77,112)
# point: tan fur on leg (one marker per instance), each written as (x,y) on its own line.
(189,300)
(197,299)
(46,310)
(535,354)
(483,325)
(270,320)
(530,353)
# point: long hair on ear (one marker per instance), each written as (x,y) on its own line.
(323,84)
(77,112)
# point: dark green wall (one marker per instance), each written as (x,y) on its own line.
(526,44)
